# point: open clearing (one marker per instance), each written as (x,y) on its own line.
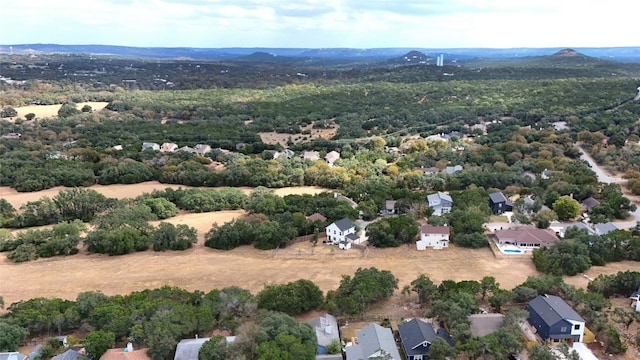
(205,269)
(273,137)
(121,191)
(45,111)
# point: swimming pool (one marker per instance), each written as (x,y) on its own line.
(513,251)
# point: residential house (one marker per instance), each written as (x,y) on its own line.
(499,203)
(436,237)
(452,169)
(528,237)
(316,217)
(635,297)
(150,146)
(589,203)
(36,351)
(311,155)
(580,226)
(12,356)
(374,340)
(70,354)
(349,201)
(117,147)
(485,324)
(12,136)
(337,232)
(416,337)
(188,149)
(127,353)
(331,157)
(188,349)
(440,202)
(202,149)
(389,207)
(605,228)
(555,320)
(326,328)
(168,147)
(429,170)
(284,153)
(349,239)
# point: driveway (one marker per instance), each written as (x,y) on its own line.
(583,351)
(604,177)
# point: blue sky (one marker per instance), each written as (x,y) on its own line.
(323,23)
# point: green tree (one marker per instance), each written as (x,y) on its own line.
(173,237)
(30,116)
(291,298)
(424,287)
(566,208)
(82,204)
(488,283)
(441,350)
(367,286)
(161,207)
(214,349)
(472,240)
(8,111)
(68,109)
(98,342)
(10,335)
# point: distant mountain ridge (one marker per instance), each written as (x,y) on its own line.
(628,54)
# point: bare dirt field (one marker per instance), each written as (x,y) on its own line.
(202,222)
(205,269)
(45,111)
(121,191)
(273,137)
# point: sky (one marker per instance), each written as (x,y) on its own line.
(323,23)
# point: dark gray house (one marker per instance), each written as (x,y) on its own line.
(555,320)
(499,203)
(416,337)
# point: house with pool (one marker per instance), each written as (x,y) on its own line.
(523,239)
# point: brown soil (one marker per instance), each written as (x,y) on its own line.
(45,111)
(273,137)
(121,191)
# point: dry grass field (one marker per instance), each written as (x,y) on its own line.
(273,137)
(121,191)
(45,111)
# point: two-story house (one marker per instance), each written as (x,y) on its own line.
(342,233)
(440,202)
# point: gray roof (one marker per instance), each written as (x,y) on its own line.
(35,351)
(498,197)
(605,228)
(69,355)
(371,339)
(352,237)
(438,197)
(413,333)
(390,204)
(344,224)
(553,309)
(326,328)
(188,349)
(589,203)
(580,226)
(12,356)
(452,169)
(485,324)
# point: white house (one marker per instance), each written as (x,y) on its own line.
(150,145)
(331,157)
(440,202)
(337,233)
(636,299)
(436,237)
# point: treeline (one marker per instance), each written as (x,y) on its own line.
(579,250)
(122,226)
(159,318)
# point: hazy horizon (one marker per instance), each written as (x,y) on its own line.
(451,24)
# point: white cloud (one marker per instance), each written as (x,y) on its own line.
(323,23)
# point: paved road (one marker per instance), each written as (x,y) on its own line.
(604,177)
